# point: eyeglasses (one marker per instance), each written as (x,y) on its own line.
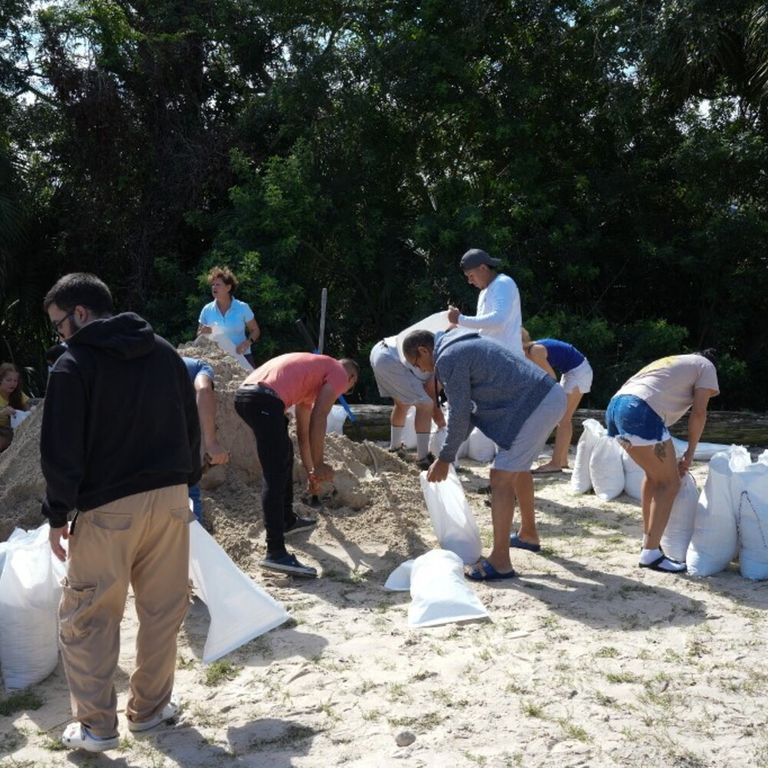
(58,323)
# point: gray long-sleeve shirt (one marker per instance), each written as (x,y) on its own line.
(487,386)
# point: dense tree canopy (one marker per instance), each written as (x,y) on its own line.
(613,153)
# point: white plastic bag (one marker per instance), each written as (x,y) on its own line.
(606,469)
(434,323)
(29,600)
(633,476)
(714,541)
(336,418)
(749,486)
(452,519)
(703,452)
(437,440)
(440,593)
(580,479)
(240,609)
(677,534)
(480,447)
(219,335)
(18,417)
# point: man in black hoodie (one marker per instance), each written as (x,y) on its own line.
(120,442)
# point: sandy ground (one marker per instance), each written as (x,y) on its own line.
(586,660)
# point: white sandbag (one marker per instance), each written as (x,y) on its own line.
(580,479)
(749,486)
(703,452)
(409,429)
(29,599)
(480,447)
(400,579)
(219,335)
(677,534)
(452,519)
(434,323)
(606,470)
(714,541)
(240,609)
(336,418)
(440,593)
(633,476)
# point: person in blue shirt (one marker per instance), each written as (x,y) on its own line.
(552,356)
(235,317)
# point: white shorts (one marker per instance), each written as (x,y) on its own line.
(394,379)
(580,376)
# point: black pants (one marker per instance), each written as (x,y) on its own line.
(265,415)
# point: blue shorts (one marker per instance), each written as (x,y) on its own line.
(633,420)
(196,367)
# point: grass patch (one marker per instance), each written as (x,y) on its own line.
(622,677)
(531,709)
(607,652)
(21,701)
(220,672)
(573,731)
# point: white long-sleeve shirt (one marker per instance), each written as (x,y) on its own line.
(499,315)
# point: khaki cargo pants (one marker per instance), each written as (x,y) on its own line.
(142,540)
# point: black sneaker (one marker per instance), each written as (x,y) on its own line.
(300,524)
(401,452)
(426,462)
(288,564)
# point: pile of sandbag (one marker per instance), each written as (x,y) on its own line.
(732,516)
(601,464)
(477,446)
(29,596)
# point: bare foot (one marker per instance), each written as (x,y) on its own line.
(547,468)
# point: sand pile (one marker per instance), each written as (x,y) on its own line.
(374,498)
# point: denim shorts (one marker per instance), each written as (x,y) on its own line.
(632,419)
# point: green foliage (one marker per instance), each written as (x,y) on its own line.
(612,153)
(20,701)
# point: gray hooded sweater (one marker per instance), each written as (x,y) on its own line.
(487,386)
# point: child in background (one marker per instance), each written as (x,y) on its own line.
(12,399)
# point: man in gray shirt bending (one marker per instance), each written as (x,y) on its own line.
(513,403)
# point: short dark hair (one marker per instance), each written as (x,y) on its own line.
(350,365)
(80,289)
(52,354)
(416,339)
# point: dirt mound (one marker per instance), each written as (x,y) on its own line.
(375,497)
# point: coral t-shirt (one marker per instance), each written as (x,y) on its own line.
(667,385)
(297,377)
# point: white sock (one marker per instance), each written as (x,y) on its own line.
(647,556)
(395,437)
(422,444)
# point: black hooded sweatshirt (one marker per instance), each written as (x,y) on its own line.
(119,418)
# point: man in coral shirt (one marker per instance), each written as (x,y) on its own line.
(312,383)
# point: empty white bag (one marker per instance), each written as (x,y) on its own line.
(606,469)
(452,519)
(29,600)
(580,479)
(440,593)
(239,608)
(677,534)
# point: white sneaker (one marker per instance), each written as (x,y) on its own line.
(170,710)
(77,736)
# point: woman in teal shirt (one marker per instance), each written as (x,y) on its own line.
(233,316)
